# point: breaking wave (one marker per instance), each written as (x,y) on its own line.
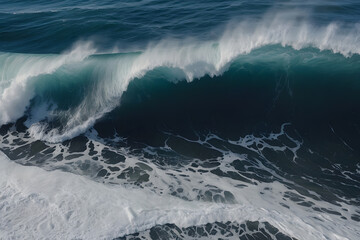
(64,95)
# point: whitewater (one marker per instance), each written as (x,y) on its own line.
(63,205)
(179,120)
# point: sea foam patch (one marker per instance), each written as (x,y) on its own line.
(42,204)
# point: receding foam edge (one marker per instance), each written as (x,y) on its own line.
(38,204)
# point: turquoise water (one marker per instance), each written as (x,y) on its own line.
(179,120)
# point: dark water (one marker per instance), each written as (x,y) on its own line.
(180,120)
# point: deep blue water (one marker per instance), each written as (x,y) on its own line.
(52,27)
(180,119)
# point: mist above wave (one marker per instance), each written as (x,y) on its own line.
(108,76)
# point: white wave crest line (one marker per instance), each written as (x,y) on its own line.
(194,58)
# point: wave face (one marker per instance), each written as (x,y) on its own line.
(97,82)
(212,120)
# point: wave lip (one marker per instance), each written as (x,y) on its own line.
(19,75)
(110,76)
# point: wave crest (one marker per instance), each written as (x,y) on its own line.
(107,76)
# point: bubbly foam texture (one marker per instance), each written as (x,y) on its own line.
(62,205)
(195,59)
(57,204)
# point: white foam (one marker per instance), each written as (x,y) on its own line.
(37,204)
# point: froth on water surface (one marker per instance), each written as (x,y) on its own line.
(221,120)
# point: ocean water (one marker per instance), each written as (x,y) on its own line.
(156,119)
